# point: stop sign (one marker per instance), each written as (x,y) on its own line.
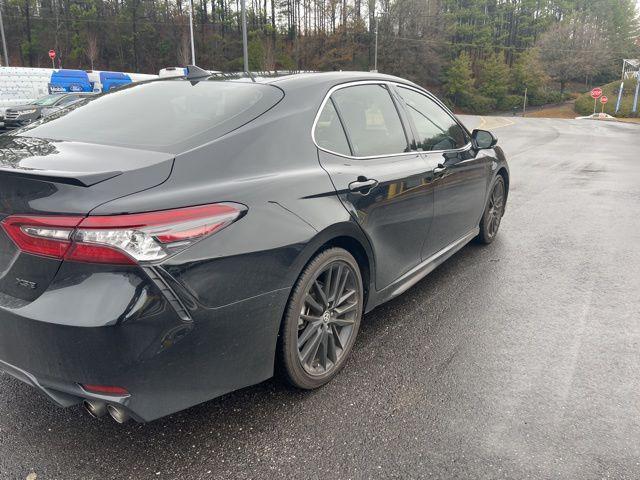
(604,99)
(52,54)
(596,92)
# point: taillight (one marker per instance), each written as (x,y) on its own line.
(120,239)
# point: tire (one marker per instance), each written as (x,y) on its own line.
(320,324)
(493,212)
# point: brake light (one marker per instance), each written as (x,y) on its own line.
(120,239)
(47,236)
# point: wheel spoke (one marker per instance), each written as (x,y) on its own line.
(323,297)
(349,308)
(323,350)
(311,348)
(344,298)
(327,282)
(332,353)
(336,336)
(343,322)
(336,283)
(309,300)
(337,299)
(307,333)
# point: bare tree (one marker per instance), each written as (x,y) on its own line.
(91,50)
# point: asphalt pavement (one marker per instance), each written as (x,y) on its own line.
(516,360)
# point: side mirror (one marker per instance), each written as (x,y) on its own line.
(483,139)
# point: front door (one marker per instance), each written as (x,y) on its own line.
(385,186)
(460,177)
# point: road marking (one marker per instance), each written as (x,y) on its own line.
(492,123)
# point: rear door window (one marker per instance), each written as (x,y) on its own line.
(436,129)
(371,120)
(329,133)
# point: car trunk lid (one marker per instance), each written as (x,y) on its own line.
(47,177)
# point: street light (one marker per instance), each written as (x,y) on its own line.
(4,40)
(245,48)
(193,49)
(375,54)
(396,29)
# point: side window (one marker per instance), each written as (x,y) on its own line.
(371,120)
(329,133)
(67,100)
(436,129)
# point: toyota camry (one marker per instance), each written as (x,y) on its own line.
(178,239)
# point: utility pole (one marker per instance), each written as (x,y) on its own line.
(4,40)
(245,48)
(193,48)
(375,54)
(524,104)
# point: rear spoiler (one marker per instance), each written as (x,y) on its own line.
(82,179)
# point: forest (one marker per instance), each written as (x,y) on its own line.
(479,54)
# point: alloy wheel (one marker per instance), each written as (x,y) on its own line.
(327,318)
(496,207)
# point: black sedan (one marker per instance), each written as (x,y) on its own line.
(175,240)
(21,115)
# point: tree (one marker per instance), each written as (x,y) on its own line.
(458,79)
(493,79)
(91,49)
(528,73)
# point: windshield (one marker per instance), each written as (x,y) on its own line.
(170,115)
(48,100)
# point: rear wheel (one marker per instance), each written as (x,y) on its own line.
(490,222)
(322,319)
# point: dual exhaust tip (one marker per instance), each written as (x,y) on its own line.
(97,409)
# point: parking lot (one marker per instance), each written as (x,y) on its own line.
(513,360)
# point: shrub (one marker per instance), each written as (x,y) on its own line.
(511,102)
(478,104)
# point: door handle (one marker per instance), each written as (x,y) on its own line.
(363,185)
(439,169)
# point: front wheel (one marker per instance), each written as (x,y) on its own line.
(322,319)
(490,222)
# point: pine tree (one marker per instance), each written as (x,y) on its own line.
(494,78)
(458,79)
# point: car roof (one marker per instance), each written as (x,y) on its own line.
(331,78)
(297,80)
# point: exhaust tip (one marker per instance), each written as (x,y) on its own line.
(95,408)
(118,413)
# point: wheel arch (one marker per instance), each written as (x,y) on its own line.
(504,173)
(346,235)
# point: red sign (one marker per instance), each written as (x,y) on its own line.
(52,54)
(604,99)
(596,92)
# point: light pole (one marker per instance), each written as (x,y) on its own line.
(375,54)
(4,40)
(245,48)
(193,48)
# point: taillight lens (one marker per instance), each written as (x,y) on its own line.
(120,239)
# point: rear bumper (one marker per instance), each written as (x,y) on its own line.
(166,363)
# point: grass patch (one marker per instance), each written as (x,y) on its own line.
(584,103)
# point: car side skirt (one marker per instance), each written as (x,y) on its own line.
(417,273)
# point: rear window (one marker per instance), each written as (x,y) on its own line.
(169,116)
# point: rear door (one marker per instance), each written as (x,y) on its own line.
(383,183)
(460,178)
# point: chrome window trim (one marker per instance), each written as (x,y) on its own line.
(388,83)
